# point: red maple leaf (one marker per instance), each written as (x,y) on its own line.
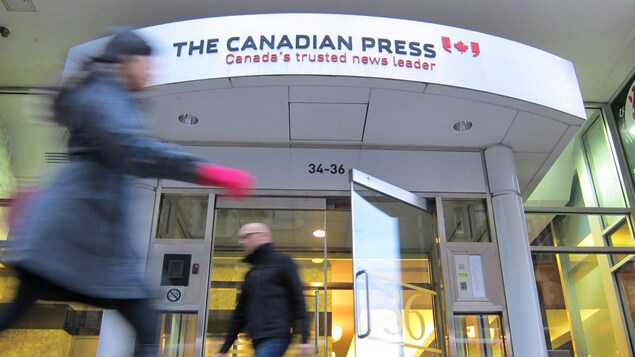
(461,46)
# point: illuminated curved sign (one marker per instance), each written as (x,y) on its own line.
(360,46)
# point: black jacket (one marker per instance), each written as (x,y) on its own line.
(272,301)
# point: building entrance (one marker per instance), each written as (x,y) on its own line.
(370,260)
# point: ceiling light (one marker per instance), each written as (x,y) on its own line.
(336,333)
(188,119)
(318,233)
(470,331)
(317,260)
(463,125)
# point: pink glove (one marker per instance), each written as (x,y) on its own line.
(235,182)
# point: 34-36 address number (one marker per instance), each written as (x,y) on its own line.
(335,169)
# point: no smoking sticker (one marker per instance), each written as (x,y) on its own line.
(173,296)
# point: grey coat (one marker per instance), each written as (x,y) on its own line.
(77,230)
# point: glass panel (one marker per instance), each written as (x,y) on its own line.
(620,237)
(178,334)
(49,328)
(182,216)
(227,273)
(340,277)
(395,298)
(338,230)
(576,293)
(570,182)
(555,315)
(606,182)
(466,220)
(479,336)
(341,304)
(623,108)
(571,230)
(293,234)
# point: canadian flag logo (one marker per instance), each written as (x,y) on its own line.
(460,46)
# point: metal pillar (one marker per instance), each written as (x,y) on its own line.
(525,323)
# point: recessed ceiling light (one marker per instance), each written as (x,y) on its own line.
(318,233)
(188,119)
(463,125)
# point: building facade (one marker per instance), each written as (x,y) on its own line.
(410,242)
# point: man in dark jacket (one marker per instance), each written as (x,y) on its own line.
(271,302)
(72,240)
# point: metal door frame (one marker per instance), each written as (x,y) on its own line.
(275,202)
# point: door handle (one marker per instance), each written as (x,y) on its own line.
(357,275)
(317,321)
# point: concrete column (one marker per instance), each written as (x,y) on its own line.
(525,322)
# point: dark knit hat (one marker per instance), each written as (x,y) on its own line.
(124,43)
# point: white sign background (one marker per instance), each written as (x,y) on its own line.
(501,66)
(288,168)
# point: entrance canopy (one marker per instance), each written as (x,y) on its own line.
(329,80)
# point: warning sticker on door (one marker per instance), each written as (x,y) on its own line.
(173,296)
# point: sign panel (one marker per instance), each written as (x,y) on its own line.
(327,169)
(360,46)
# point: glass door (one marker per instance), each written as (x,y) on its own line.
(298,228)
(397,308)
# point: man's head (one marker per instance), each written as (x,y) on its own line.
(253,235)
(131,52)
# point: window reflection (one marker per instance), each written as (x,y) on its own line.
(49,328)
(182,217)
(620,236)
(574,291)
(585,174)
(4,224)
(572,230)
(602,167)
(555,315)
(479,336)
(178,334)
(466,220)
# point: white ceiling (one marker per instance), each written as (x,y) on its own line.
(597,36)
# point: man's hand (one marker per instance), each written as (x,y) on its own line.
(306,349)
(220,355)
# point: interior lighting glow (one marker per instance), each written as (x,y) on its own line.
(318,233)
(336,333)
(470,331)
